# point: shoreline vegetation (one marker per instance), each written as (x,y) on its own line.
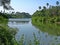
(50,28)
(51,14)
(6,33)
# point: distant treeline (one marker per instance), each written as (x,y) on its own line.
(17,15)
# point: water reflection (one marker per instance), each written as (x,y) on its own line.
(50,28)
(18,21)
(21,22)
(49,33)
(45,34)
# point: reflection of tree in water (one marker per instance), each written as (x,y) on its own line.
(23,22)
(53,29)
(49,33)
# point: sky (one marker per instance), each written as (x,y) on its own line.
(30,6)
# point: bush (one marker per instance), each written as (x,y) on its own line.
(6,36)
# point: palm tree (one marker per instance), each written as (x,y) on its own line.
(47,4)
(57,3)
(44,7)
(47,7)
(44,10)
(39,7)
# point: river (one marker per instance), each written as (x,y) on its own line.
(26,27)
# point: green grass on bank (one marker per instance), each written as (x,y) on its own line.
(7,34)
(47,19)
(49,27)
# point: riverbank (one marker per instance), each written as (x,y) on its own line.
(6,33)
(48,18)
(49,14)
(50,28)
(55,19)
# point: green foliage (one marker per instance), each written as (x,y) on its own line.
(36,41)
(57,2)
(21,42)
(7,35)
(18,15)
(51,28)
(50,14)
(47,4)
(6,4)
(3,19)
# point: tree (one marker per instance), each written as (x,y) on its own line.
(44,7)
(44,10)
(57,3)
(6,4)
(47,7)
(47,4)
(39,7)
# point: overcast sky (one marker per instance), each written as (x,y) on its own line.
(30,6)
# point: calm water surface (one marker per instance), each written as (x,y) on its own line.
(25,27)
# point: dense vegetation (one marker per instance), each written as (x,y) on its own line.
(3,19)
(50,28)
(6,36)
(6,33)
(49,14)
